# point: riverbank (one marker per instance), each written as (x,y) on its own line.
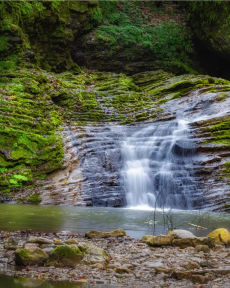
(111,261)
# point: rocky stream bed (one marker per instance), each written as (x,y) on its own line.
(113,259)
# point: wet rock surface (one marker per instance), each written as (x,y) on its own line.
(208,115)
(119,262)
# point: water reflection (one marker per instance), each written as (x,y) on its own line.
(81,219)
(10,282)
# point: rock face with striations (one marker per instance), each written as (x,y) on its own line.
(63,113)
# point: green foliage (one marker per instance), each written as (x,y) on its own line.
(55,4)
(40,32)
(207,12)
(9,63)
(34,198)
(18,12)
(227,169)
(3,43)
(125,26)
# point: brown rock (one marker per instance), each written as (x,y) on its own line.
(101,234)
(10,244)
(193,242)
(39,240)
(203,248)
(122,270)
(199,279)
(157,241)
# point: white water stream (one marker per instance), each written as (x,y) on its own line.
(158,167)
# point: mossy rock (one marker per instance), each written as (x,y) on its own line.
(34,198)
(221,236)
(100,234)
(94,254)
(42,33)
(157,241)
(66,255)
(32,256)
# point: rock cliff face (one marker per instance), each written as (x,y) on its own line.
(52,124)
(76,108)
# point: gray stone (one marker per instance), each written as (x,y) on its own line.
(182,234)
(39,240)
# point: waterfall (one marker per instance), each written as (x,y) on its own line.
(148,165)
(158,168)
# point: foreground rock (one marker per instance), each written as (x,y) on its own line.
(30,256)
(181,234)
(179,238)
(113,261)
(221,236)
(100,234)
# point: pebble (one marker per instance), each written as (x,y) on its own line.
(131,263)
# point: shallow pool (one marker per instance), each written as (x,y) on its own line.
(135,222)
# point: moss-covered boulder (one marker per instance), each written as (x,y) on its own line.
(100,234)
(94,254)
(221,236)
(66,255)
(157,241)
(32,256)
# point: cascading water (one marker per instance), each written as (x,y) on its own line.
(158,168)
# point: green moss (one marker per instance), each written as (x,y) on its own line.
(130,29)
(41,33)
(29,143)
(66,251)
(34,198)
(221,96)
(66,255)
(220,132)
(3,43)
(226,170)
(24,253)
(24,257)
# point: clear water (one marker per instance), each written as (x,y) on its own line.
(136,222)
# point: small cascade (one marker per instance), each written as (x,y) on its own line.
(159,167)
(148,165)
